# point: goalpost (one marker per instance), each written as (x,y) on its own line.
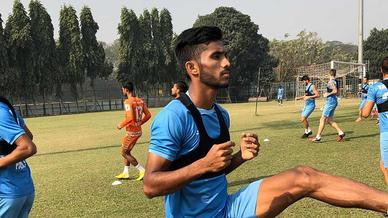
(348,77)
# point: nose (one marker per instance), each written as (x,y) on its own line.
(226,63)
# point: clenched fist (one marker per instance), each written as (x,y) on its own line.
(249,145)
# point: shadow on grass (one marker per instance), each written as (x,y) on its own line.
(85,149)
(246,181)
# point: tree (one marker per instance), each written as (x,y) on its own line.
(4,67)
(247,50)
(130,47)
(18,36)
(93,54)
(70,50)
(169,62)
(42,33)
(375,49)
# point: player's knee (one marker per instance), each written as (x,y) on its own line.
(302,119)
(306,177)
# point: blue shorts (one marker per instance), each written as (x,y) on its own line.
(243,202)
(328,110)
(16,207)
(280,97)
(384,148)
(307,110)
(362,103)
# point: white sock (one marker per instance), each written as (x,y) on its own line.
(340,133)
(318,136)
(308,129)
(140,167)
(126,169)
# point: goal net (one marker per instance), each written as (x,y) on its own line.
(348,77)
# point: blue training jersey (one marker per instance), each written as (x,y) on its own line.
(280,92)
(309,91)
(15,179)
(378,94)
(173,134)
(331,98)
(366,88)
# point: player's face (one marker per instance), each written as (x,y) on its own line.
(174,91)
(214,66)
(365,81)
(124,91)
(306,82)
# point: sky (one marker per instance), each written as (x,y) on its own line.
(331,19)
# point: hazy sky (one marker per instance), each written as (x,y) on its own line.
(331,19)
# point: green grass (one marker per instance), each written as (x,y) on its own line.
(78,156)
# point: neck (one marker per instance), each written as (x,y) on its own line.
(385,76)
(129,94)
(202,95)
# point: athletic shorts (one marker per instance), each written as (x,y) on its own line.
(328,110)
(280,97)
(16,207)
(307,110)
(129,140)
(243,202)
(363,101)
(384,148)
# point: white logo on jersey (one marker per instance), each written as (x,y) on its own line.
(385,96)
(21,165)
(127,107)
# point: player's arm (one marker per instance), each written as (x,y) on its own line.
(28,132)
(147,114)
(128,118)
(25,148)
(158,180)
(300,97)
(366,110)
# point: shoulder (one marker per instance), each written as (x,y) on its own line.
(174,110)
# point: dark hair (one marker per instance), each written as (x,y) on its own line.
(304,78)
(128,85)
(366,77)
(188,44)
(182,86)
(384,65)
(333,72)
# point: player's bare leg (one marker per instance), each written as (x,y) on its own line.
(275,194)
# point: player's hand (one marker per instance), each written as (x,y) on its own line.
(219,157)
(249,145)
(118,126)
(325,95)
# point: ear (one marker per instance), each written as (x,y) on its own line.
(192,68)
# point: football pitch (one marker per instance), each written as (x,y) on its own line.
(79,155)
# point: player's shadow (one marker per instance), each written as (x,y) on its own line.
(246,181)
(334,133)
(362,136)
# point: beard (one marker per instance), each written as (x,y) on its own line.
(209,80)
(173,95)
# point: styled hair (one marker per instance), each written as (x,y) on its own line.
(366,77)
(182,86)
(304,78)
(188,44)
(333,72)
(384,65)
(128,85)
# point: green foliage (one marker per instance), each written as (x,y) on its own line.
(247,50)
(307,49)
(70,50)
(42,33)
(375,49)
(4,66)
(20,45)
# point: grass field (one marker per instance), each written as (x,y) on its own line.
(78,156)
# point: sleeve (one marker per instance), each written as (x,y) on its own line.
(9,129)
(167,135)
(371,94)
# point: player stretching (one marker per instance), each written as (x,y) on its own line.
(134,110)
(364,94)
(378,94)
(328,110)
(311,93)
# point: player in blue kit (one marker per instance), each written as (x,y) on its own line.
(280,94)
(311,93)
(16,187)
(329,108)
(191,152)
(378,94)
(364,94)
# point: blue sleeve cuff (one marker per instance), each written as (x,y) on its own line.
(16,137)
(162,155)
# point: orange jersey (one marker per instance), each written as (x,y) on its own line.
(134,110)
